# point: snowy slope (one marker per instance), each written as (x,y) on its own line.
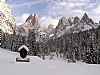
(37,66)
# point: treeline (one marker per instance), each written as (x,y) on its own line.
(14,41)
(84,46)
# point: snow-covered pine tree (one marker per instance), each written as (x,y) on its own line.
(31,40)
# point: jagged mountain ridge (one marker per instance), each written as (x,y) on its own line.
(86,19)
(65,26)
(31,22)
(74,25)
(70,25)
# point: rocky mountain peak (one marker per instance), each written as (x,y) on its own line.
(34,20)
(31,22)
(50,30)
(35,15)
(76,20)
(69,20)
(29,18)
(62,21)
(85,18)
(62,24)
(91,21)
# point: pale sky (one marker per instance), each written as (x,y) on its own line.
(50,11)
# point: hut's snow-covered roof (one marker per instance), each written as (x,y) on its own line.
(23,46)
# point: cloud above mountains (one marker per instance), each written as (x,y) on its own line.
(21,19)
(74,9)
(50,10)
(46,21)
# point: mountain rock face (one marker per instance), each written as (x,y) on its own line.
(31,22)
(50,30)
(86,19)
(34,20)
(62,21)
(76,20)
(44,34)
(62,24)
(65,26)
(74,25)
(91,21)
(7,21)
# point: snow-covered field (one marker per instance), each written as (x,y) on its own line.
(37,66)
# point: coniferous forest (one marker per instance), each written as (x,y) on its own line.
(83,46)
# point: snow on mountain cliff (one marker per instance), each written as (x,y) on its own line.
(7,21)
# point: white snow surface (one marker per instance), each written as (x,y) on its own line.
(37,66)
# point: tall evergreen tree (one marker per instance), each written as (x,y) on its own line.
(31,40)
